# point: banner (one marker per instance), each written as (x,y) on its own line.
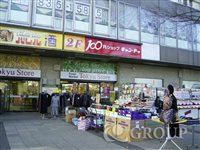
(74,43)
(30,38)
(88,76)
(10,72)
(105,47)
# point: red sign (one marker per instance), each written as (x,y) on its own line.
(106,47)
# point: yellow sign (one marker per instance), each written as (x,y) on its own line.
(19,62)
(74,43)
(27,37)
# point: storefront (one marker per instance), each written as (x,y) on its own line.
(19,84)
(89,76)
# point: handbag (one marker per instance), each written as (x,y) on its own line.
(166,116)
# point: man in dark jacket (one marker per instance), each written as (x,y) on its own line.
(174,128)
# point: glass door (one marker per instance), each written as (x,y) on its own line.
(23,95)
(82,88)
(94,89)
(18,95)
(4,96)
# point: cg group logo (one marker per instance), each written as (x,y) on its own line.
(122,134)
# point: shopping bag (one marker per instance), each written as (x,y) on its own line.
(83,124)
(166,116)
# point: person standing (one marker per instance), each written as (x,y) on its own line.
(55,102)
(174,128)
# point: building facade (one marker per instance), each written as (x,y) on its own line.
(95,46)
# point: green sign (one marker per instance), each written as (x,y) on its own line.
(89,67)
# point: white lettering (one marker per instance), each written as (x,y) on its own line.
(94,45)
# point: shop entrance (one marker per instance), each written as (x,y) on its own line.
(19,95)
(92,88)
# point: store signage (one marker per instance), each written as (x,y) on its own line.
(106,47)
(88,76)
(26,73)
(102,47)
(74,43)
(30,38)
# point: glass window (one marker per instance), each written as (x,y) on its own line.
(191,85)
(105,18)
(184,39)
(49,10)
(16,11)
(3,10)
(128,22)
(78,16)
(149,27)
(196,37)
(168,32)
(150,82)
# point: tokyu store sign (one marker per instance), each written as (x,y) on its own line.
(26,73)
(88,76)
(88,70)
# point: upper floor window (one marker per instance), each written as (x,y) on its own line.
(168,32)
(48,14)
(15,11)
(128,22)
(184,38)
(149,27)
(78,16)
(196,37)
(105,19)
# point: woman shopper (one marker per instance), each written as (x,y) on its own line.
(174,128)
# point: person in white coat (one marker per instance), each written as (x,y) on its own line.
(55,103)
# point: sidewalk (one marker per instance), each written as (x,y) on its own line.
(27,131)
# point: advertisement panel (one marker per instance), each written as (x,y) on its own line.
(30,38)
(105,47)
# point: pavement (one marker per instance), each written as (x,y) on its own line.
(27,131)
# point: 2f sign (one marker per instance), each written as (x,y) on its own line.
(75,43)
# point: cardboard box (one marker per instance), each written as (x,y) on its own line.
(70,115)
(110,126)
(129,130)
